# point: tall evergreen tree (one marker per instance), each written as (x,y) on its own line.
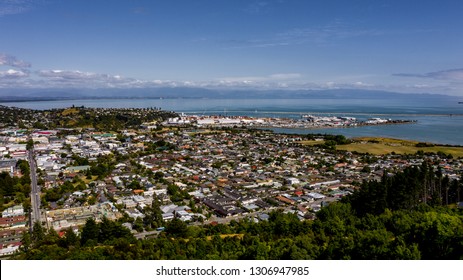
(89,232)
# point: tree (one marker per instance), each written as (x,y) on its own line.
(153,215)
(177,228)
(134,185)
(30,144)
(70,238)
(38,233)
(26,242)
(89,232)
(366,169)
(138,224)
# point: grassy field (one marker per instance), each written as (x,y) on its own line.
(379,146)
(311,142)
(70,111)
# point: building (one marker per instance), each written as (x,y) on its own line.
(17,210)
(8,166)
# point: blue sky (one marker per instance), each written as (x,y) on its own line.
(402,46)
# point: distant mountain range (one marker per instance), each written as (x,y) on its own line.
(16,95)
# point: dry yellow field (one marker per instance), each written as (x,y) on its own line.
(311,142)
(380,146)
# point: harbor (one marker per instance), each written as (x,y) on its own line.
(305,122)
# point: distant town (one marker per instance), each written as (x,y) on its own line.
(62,167)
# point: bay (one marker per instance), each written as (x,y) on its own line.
(439,120)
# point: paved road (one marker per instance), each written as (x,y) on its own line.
(35,191)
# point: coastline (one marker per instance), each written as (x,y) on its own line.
(437,122)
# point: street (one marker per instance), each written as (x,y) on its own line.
(35,191)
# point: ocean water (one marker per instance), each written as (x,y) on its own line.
(438,120)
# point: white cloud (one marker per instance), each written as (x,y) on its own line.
(279,80)
(446,82)
(76,76)
(13,74)
(362,84)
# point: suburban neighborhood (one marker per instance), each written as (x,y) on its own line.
(185,169)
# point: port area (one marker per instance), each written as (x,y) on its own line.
(305,122)
(311,121)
